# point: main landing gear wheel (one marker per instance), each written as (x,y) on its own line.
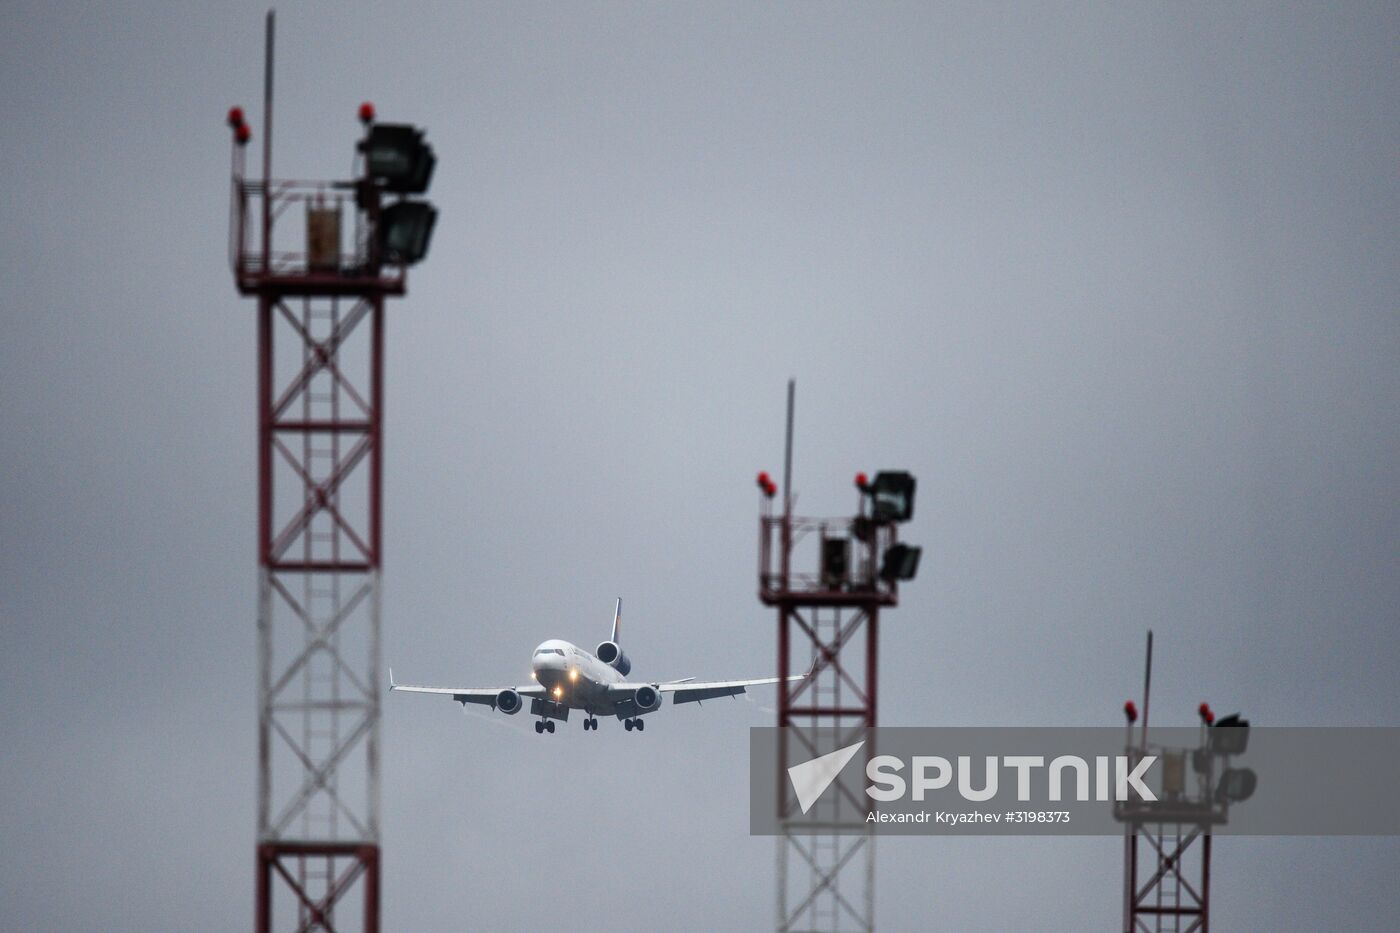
(544,725)
(631,724)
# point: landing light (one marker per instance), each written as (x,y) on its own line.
(573,674)
(558,692)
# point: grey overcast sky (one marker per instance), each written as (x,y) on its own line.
(1118,283)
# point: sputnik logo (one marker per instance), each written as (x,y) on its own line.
(811,778)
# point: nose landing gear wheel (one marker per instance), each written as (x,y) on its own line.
(590,723)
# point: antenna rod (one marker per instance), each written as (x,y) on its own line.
(1147,691)
(787,455)
(787,491)
(267,142)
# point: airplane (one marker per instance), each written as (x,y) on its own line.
(568,677)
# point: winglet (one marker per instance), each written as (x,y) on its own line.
(617,618)
(391,679)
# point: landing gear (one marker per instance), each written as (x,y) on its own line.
(631,724)
(590,723)
(544,725)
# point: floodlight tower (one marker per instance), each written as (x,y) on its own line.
(320,289)
(829,620)
(1167,841)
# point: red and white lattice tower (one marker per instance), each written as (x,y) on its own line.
(320,293)
(828,622)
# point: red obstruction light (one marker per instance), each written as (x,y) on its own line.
(862,481)
(1206,713)
(235,117)
(367,113)
(770,489)
(242,134)
(763,480)
(1130,710)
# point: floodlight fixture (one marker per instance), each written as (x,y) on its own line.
(1229,735)
(405,229)
(1236,785)
(892,496)
(397,159)
(901,562)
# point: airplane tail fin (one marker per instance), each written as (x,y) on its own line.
(617,619)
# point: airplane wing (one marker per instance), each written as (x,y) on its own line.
(708,690)
(484,695)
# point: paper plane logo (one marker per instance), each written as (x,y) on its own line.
(811,778)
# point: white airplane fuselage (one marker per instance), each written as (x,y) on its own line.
(572,676)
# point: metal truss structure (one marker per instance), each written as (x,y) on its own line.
(1167,842)
(1167,878)
(320,404)
(1166,847)
(319,477)
(828,621)
(825,880)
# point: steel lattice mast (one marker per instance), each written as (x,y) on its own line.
(1167,841)
(828,622)
(1161,891)
(320,407)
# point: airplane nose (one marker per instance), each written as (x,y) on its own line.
(551,663)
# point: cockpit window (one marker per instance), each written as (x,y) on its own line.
(558,651)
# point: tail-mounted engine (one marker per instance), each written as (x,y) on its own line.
(609,653)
